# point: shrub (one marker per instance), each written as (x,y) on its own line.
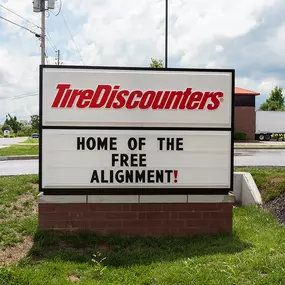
(240,136)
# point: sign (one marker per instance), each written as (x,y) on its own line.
(112,158)
(35,136)
(136,131)
(6,133)
(104,97)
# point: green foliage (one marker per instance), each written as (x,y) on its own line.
(6,127)
(99,267)
(270,181)
(35,122)
(26,131)
(13,123)
(19,149)
(240,136)
(156,63)
(275,102)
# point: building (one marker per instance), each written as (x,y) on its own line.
(245,112)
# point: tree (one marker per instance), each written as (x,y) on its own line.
(35,122)
(6,127)
(13,123)
(156,63)
(275,102)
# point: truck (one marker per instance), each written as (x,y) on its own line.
(269,123)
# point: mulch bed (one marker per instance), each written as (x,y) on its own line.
(277,207)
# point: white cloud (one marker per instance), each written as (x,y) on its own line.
(202,33)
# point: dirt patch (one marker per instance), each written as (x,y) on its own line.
(73,278)
(277,207)
(22,207)
(11,255)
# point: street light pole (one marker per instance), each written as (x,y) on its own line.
(43,34)
(166,33)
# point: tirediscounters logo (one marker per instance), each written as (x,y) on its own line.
(113,97)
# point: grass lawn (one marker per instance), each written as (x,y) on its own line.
(31,141)
(19,149)
(269,180)
(253,254)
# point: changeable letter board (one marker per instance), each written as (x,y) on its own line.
(111,130)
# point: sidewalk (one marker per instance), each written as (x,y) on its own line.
(260,145)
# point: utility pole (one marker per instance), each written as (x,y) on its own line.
(58,57)
(166,33)
(43,35)
(39,6)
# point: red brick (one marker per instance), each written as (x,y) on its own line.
(173,223)
(122,215)
(141,223)
(178,207)
(190,215)
(105,224)
(46,208)
(174,215)
(53,224)
(54,216)
(157,231)
(137,219)
(105,207)
(214,215)
(75,207)
(146,207)
(194,223)
(157,215)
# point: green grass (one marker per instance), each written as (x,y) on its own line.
(31,141)
(253,254)
(18,194)
(269,180)
(19,150)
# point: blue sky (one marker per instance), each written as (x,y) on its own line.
(247,35)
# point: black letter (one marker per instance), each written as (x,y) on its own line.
(140,176)
(132,143)
(113,143)
(168,172)
(114,158)
(141,143)
(94,177)
(179,144)
(102,143)
(160,143)
(150,177)
(91,143)
(80,143)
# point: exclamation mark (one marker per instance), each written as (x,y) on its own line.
(175,175)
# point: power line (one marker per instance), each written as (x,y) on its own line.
(20,97)
(20,26)
(72,37)
(20,16)
(51,42)
(48,35)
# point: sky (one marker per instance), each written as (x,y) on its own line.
(245,35)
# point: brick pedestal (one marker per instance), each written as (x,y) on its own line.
(145,219)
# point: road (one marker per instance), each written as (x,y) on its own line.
(16,167)
(259,157)
(243,157)
(10,141)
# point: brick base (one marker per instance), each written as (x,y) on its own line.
(138,219)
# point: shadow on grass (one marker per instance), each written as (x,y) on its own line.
(125,251)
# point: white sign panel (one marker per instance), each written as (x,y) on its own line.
(140,97)
(136,158)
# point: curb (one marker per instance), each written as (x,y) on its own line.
(19,157)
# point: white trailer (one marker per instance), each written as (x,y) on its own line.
(269,123)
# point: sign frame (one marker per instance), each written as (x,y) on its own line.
(139,190)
